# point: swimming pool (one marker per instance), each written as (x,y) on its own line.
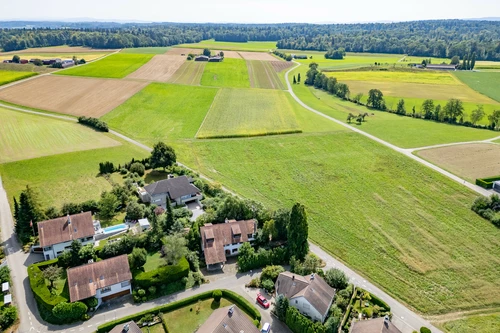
(115,228)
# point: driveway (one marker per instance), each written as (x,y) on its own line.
(196,209)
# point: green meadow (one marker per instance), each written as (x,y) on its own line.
(489,323)
(248,46)
(486,83)
(114,66)
(229,73)
(145,50)
(11,76)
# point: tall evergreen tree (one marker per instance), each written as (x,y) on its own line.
(298,232)
(473,61)
(464,62)
(16,209)
(29,212)
(294,80)
(169,222)
(298,78)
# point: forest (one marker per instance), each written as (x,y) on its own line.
(438,38)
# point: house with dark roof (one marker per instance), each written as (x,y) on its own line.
(377,325)
(104,280)
(222,240)
(56,235)
(201,58)
(311,295)
(442,67)
(229,319)
(179,190)
(130,327)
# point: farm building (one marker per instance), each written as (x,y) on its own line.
(179,190)
(201,58)
(496,186)
(50,61)
(441,67)
(215,59)
(222,240)
(7,61)
(67,63)
(23,61)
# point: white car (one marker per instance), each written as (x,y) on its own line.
(266,328)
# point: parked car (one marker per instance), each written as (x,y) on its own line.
(262,301)
(266,328)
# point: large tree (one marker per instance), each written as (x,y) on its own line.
(174,248)
(336,278)
(162,156)
(428,108)
(169,217)
(375,99)
(400,109)
(477,114)
(473,61)
(298,232)
(52,273)
(108,205)
(494,119)
(453,110)
(137,258)
(28,213)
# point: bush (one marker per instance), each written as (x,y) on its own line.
(424,329)
(138,168)
(137,258)
(69,312)
(217,295)
(7,317)
(336,278)
(268,285)
(249,259)
(94,123)
(254,283)
(377,301)
(271,272)
(152,290)
(162,275)
(141,292)
(4,274)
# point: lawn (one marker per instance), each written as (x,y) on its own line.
(162,112)
(188,319)
(153,262)
(11,76)
(248,112)
(158,328)
(69,177)
(384,215)
(248,46)
(229,73)
(481,323)
(486,83)
(114,66)
(146,50)
(24,136)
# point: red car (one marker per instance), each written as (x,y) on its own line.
(262,301)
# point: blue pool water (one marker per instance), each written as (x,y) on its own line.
(114,228)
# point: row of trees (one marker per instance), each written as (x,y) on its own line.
(468,61)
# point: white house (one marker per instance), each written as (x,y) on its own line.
(222,240)
(179,190)
(311,295)
(57,235)
(103,280)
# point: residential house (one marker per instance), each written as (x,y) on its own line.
(201,58)
(219,241)
(178,190)
(377,325)
(442,67)
(229,319)
(56,235)
(104,280)
(130,327)
(311,295)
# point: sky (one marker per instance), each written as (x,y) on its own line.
(249,11)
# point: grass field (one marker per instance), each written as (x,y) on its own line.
(11,76)
(441,78)
(248,112)
(28,68)
(189,73)
(162,112)
(380,212)
(229,73)
(481,323)
(146,50)
(24,136)
(263,75)
(486,83)
(69,177)
(249,46)
(114,66)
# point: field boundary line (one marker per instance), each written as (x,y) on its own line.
(206,115)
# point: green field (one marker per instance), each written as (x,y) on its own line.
(480,323)
(189,73)
(24,136)
(146,50)
(162,112)
(11,76)
(486,83)
(262,75)
(114,66)
(248,46)
(229,73)
(70,177)
(248,112)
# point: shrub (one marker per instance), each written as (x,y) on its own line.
(424,329)
(217,295)
(94,123)
(377,301)
(138,168)
(336,278)
(254,283)
(4,274)
(7,317)
(271,272)
(268,285)
(137,258)
(152,290)
(123,171)
(69,312)
(162,275)
(141,292)
(91,302)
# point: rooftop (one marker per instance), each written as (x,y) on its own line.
(66,228)
(377,325)
(229,319)
(175,187)
(123,328)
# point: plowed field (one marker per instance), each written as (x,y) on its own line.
(160,68)
(72,95)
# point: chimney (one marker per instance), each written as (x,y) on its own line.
(293,277)
(69,219)
(226,220)
(126,327)
(312,276)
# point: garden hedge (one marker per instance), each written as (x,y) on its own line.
(162,275)
(229,295)
(487,183)
(37,283)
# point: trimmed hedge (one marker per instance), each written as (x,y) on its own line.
(37,283)
(487,183)
(162,275)
(377,301)
(237,299)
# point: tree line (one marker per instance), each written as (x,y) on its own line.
(438,38)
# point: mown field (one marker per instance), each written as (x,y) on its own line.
(146,50)
(69,177)
(12,76)
(162,112)
(189,73)
(248,112)
(229,73)
(481,323)
(114,66)
(25,136)
(249,46)
(263,75)
(484,82)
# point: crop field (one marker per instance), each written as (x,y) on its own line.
(257,56)
(77,96)
(263,75)
(245,112)
(58,49)
(114,66)
(280,66)
(159,68)
(69,177)
(228,54)
(11,76)
(29,68)
(484,82)
(189,73)
(162,112)
(146,50)
(427,77)
(470,161)
(248,46)
(229,73)
(25,136)
(488,323)
(182,51)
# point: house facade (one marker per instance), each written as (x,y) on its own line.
(104,280)
(311,295)
(179,190)
(219,241)
(56,235)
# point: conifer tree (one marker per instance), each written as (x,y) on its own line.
(298,232)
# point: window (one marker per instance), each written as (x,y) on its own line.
(296,302)
(125,284)
(105,290)
(235,250)
(250,235)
